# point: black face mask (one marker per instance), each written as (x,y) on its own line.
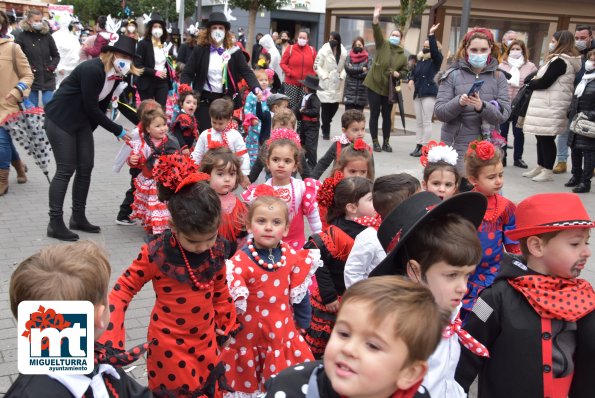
(284,40)
(357,50)
(333,43)
(425,50)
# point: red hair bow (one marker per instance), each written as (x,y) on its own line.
(360,145)
(184,88)
(284,134)
(193,179)
(216,144)
(171,170)
(326,193)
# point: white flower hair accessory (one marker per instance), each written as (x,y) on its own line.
(435,152)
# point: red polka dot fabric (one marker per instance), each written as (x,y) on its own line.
(556,298)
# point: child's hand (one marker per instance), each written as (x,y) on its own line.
(255,122)
(186,152)
(227,342)
(245,182)
(333,307)
(133,160)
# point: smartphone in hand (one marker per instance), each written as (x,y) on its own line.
(475,88)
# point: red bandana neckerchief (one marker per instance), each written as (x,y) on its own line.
(468,341)
(556,298)
(366,221)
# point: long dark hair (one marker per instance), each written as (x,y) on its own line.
(337,36)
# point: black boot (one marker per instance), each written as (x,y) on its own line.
(417,151)
(57,230)
(583,187)
(376,146)
(573,182)
(386,146)
(79,221)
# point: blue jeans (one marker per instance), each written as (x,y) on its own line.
(562,146)
(46,96)
(8,152)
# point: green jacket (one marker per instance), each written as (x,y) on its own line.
(388,59)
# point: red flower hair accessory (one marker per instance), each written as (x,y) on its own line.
(264,190)
(284,134)
(184,88)
(171,170)
(360,145)
(326,193)
(193,179)
(484,150)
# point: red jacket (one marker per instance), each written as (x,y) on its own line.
(298,62)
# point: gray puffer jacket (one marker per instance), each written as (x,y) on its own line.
(462,124)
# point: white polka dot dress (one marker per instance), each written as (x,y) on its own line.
(269,341)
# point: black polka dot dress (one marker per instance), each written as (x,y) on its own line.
(182,327)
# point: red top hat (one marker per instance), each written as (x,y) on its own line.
(549,212)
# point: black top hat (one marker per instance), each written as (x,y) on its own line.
(156,18)
(311,82)
(398,226)
(121,44)
(218,18)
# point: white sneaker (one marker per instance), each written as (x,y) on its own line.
(545,175)
(533,172)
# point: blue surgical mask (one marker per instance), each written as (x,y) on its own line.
(394,40)
(478,60)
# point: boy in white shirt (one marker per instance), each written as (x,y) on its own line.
(367,252)
(221,113)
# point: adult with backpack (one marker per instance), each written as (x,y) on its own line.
(464,115)
(297,63)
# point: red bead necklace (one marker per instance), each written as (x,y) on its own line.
(191,274)
(272,265)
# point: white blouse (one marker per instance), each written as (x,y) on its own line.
(214,81)
(159,59)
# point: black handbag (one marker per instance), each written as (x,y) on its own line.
(394,89)
(520,103)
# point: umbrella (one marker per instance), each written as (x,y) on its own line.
(27,128)
(395,96)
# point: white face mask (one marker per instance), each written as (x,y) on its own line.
(122,66)
(581,44)
(218,35)
(302,42)
(551,47)
(157,33)
(132,28)
(37,25)
(589,65)
(516,54)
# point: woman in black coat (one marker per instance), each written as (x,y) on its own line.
(422,77)
(583,148)
(204,69)
(75,111)
(157,77)
(357,65)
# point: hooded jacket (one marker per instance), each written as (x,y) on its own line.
(10,76)
(388,59)
(267,43)
(42,53)
(462,124)
(68,48)
(504,321)
(331,73)
(547,113)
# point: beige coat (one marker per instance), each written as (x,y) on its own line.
(331,75)
(547,113)
(10,77)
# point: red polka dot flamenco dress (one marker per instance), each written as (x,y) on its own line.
(269,341)
(188,308)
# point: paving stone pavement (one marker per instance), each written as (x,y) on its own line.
(23,221)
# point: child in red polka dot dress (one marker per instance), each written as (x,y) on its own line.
(193,311)
(265,277)
(483,165)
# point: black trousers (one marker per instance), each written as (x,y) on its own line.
(354,106)
(125,207)
(546,151)
(202,112)
(580,170)
(157,90)
(309,139)
(379,105)
(327,112)
(73,153)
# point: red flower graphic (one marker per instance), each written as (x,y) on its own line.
(43,319)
